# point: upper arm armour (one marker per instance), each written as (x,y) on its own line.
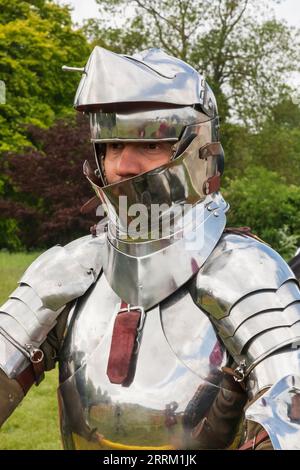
(55,278)
(252,297)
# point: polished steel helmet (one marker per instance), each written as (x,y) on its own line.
(150,97)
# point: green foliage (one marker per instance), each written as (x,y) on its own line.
(277,145)
(262,200)
(36,39)
(288,243)
(9,234)
(118,39)
(237,143)
(245,53)
(12,266)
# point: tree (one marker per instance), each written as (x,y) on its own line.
(262,200)
(44,189)
(36,39)
(245,53)
(277,145)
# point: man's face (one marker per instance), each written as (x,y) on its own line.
(124,160)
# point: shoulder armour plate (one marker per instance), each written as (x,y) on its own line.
(252,297)
(54,279)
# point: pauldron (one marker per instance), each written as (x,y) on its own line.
(252,297)
(54,279)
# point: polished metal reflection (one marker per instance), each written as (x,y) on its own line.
(204,354)
(177,376)
(150,77)
(270,341)
(130,263)
(148,125)
(25,319)
(252,297)
(278,412)
(239,266)
(90,320)
(29,297)
(55,278)
(171,187)
(264,321)
(62,274)
(270,370)
(254,303)
(137,278)
(12,361)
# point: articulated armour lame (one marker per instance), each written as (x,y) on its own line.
(253,299)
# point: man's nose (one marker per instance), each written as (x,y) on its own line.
(129,163)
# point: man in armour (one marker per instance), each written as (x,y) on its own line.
(162,304)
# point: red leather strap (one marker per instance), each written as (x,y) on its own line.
(26,379)
(212,184)
(252,443)
(34,373)
(121,360)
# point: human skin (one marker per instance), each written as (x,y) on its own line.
(125,160)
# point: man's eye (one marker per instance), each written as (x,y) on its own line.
(117,146)
(152,146)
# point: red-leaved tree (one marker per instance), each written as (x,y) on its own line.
(44,187)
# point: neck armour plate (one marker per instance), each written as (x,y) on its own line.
(146,273)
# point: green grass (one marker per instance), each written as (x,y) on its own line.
(12,266)
(34,424)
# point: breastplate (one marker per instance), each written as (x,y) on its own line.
(178,375)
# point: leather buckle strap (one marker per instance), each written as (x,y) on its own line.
(38,366)
(124,344)
(34,373)
(212,184)
(214,150)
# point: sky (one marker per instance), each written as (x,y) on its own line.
(288,10)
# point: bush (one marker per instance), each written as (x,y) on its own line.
(43,190)
(263,201)
(9,238)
